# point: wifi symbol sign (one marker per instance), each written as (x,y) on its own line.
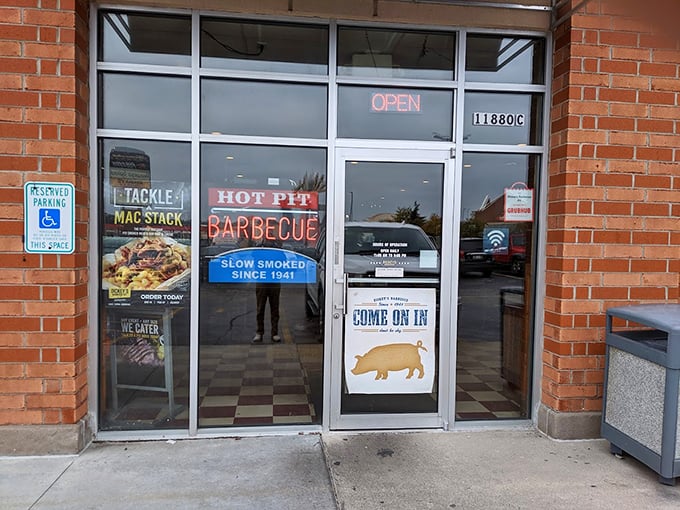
(496,238)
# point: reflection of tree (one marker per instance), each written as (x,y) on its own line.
(410,215)
(433,225)
(315,182)
(471,228)
(312,182)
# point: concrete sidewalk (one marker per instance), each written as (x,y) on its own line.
(418,470)
(488,470)
(287,472)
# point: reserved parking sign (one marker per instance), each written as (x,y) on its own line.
(49,219)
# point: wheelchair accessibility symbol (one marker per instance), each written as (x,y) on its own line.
(49,218)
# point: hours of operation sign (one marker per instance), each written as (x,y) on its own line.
(49,220)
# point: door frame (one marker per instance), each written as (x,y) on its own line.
(334,300)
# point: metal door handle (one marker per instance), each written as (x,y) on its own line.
(341,305)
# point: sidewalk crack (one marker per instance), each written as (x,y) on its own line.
(51,485)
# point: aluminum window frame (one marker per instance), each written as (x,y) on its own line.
(332,143)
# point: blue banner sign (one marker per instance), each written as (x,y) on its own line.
(264,265)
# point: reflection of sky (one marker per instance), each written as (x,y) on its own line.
(154,103)
(156,33)
(517,70)
(489,175)
(376,188)
(265,109)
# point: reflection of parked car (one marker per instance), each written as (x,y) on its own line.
(472,257)
(371,245)
(514,255)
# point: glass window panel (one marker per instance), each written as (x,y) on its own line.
(144,102)
(145,295)
(137,38)
(263,108)
(395,54)
(496,265)
(393,218)
(268,47)
(261,320)
(394,114)
(512,119)
(502,59)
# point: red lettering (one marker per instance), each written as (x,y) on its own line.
(284,234)
(213,226)
(414,102)
(228,228)
(312,229)
(242,227)
(257,231)
(271,228)
(299,235)
(374,103)
(258,228)
(390,102)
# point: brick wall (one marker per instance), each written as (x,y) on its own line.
(43,137)
(613,204)
(614,189)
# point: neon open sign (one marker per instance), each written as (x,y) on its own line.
(395,102)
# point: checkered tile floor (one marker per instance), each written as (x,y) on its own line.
(270,384)
(254,385)
(238,385)
(481,393)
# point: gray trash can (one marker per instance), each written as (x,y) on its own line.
(642,387)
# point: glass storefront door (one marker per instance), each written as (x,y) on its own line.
(390,301)
(260,348)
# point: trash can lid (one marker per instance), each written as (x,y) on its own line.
(665,317)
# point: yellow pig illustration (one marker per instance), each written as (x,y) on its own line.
(395,357)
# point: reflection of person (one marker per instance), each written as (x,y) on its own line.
(264,292)
(268,292)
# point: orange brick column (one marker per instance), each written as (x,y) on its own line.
(613,234)
(43,298)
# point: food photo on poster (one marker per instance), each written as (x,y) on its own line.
(147,264)
(146,253)
(141,342)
